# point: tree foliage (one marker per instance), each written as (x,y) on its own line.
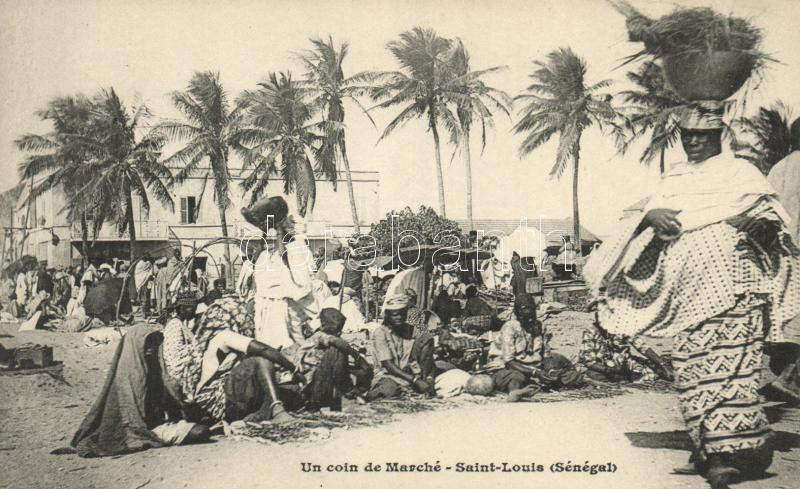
(652,107)
(765,138)
(284,140)
(425,224)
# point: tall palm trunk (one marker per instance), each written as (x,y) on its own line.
(84,240)
(439,176)
(223,222)
(468,166)
(350,193)
(576,222)
(131,225)
(661,161)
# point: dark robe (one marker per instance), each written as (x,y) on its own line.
(121,417)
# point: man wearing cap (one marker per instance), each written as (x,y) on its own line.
(404,356)
(710,263)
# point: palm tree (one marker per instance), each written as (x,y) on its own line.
(420,88)
(329,88)
(58,159)
(560,103)
(123,163)
(474,102)
(769,135)
(654,108)
(211,128)
(283,141)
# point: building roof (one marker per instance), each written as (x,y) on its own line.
(558,228)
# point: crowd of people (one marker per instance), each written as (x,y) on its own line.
(718,274)
(284,340)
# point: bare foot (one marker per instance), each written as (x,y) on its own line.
(263,414)
(279,414)
(517,395)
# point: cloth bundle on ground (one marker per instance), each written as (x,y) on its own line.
(452,382)
(101,300)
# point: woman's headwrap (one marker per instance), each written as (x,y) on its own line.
(397,302)
(702,115)
(258,213)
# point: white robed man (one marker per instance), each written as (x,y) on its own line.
(284,299)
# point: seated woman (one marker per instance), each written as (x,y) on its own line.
(167,387)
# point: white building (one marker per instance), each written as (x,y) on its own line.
(194,222)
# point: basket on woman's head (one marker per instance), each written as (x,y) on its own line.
(266,213)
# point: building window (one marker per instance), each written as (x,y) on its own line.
(188,210)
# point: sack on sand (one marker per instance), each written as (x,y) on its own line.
(451,383)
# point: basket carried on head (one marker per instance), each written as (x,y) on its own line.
(706,55)
(713,75)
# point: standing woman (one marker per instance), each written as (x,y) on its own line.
(160,284)
(710,263)
(282,276)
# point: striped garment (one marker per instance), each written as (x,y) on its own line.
(672,286)
(183,352)
(717,371)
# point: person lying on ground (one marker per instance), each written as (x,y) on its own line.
(404,356)
(323,360)
(520,358)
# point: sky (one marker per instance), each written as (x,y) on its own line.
(146,49)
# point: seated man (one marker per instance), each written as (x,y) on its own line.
(349,308)
(405,357)
(216,292)
(476,306)
(323,360)
(519,355)
(167,388)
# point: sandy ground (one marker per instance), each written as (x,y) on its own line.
(640,432)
